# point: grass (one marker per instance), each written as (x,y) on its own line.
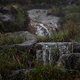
(69,33)
(52,73)
(72,13)
(56,11)
(61,36)
(70,28)
(5,39)
(69,12)
(12,59)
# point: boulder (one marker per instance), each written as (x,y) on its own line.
(29,40)
(13,18)
(52,52)
(42,24)
(49,53)
(18,74)
(70,61)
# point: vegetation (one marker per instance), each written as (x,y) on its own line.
(12,59)
(56,11)
(70,32)
(5,39)
(67,13)
(72,13)
(52,73)
(61,36)
(70,26)
(55,55)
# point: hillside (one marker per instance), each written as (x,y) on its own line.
(39,39)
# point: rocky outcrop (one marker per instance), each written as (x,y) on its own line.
(49,53)
(13,18)
(29,40)
(5,14)
(70,61)
(53,53)
(18,74)
(64,54)
(42,24)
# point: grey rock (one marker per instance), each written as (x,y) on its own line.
(6,15)
(42,23)
(50,52)
(70,61)
(29,41)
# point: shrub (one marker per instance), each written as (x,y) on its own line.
(73,30)
(71,20)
